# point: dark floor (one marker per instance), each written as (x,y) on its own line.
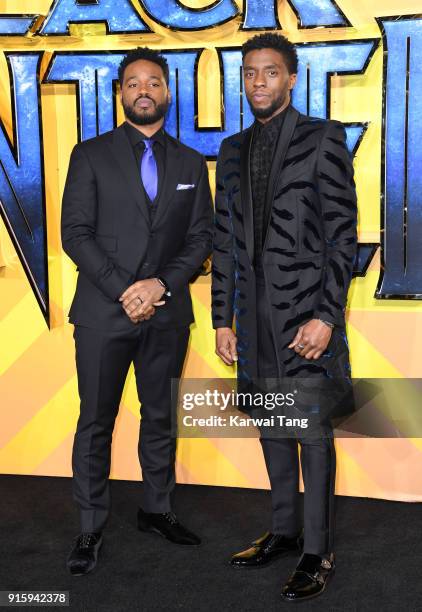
(378,552)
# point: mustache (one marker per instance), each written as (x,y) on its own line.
(144,97)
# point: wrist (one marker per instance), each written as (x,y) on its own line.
(164,285)
(327,323)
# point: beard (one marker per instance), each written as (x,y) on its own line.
(145,117)
(269,111)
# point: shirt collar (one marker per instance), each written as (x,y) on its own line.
(135,136)
(274,123)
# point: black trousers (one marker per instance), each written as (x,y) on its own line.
(317,458)
(102,361)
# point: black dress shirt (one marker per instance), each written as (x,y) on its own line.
(264,143)
(136,139)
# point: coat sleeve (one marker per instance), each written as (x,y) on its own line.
(198,241)
(223,263)
(78,227)
(337,195)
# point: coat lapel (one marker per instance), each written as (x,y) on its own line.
(172,169)
(283,143)
(246,192)
(125,158)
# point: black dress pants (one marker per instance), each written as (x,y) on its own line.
(102,360)
(317,458)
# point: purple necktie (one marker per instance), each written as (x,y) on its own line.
(149,170)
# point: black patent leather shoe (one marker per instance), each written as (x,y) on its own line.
(266,549)
(309,579)
(168,526)
(83,556)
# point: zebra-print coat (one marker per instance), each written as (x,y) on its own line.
(309,248)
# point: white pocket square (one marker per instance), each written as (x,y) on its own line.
(181,186)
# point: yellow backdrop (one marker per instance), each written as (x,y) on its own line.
(38,388)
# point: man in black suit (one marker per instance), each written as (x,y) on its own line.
(137,221)
(284,248)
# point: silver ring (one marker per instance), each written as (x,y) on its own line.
(301,346)
(140,299)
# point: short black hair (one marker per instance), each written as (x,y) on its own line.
(279,43)
(144,53)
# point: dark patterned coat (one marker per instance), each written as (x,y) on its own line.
(309,247)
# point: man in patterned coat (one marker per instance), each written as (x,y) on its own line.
(284,247)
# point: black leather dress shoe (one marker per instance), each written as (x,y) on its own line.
(309,579)
(266,549)
(83,556)
(168,526)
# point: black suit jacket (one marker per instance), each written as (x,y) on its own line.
(309,247)
(107,232)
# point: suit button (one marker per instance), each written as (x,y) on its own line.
(145,265)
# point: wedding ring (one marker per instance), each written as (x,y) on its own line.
(301,346)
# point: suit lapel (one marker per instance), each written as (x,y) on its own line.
(283,143)
(246,192)
(125,158)
(172,172)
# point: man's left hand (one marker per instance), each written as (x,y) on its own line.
(139,297)
(311,339)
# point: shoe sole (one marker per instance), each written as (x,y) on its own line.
(284,598)
(94,566)
(273,559)
(151,529)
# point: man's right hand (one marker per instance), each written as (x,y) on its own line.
(144,317)
(225,345)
